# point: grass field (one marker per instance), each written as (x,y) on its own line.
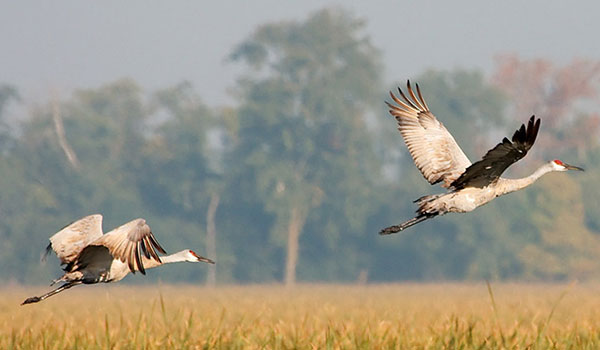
(412,316)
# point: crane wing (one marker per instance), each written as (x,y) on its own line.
(433,149)
(73,238)
(128,242)
(97,258)
(496,160)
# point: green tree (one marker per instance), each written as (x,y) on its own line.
(302,140)
(181,176)
(8,93)
(104,128)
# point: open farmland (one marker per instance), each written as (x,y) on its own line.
(407,316)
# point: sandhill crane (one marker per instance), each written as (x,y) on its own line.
(91,257)
(440,159)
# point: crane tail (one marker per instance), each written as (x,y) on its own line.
(65,286)
(397,228)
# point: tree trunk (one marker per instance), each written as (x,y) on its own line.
(294,229)
(211,238)
(60,134)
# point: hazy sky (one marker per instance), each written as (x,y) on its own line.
(69,44)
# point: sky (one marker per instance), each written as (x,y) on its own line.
(64,45)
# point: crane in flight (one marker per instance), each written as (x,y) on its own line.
(89,256)
(439,158)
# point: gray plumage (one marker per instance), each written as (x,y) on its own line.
(439,158)
(88,256)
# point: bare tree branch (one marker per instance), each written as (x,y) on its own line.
(60,134)
(211,237)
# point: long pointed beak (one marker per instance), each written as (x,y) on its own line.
(572,167)
(201,258)
(206,260)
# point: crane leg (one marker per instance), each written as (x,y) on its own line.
(406,224)
(51,293)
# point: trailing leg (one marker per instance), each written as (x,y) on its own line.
(51,293)
(406,224)
(430,206)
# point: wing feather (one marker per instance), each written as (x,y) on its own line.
(73,238)
(433,149)
(129,241)
(503,155)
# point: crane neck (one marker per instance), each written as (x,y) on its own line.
(541,171)
(511,185)
(166,259)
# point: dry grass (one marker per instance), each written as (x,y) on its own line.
(415,316)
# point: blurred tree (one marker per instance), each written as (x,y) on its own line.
(302,140)
(11,183)
(180,167)
(563,96)
(564,247)
(295,169)
(591,190)
(104,127)
(8,93)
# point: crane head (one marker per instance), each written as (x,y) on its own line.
(191,256)
(561,166)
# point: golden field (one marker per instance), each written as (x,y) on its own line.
(400,316)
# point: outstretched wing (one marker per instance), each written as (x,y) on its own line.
(432,147)
(128,242)
(73,238)
(496,160)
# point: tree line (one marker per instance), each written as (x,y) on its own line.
(293,181)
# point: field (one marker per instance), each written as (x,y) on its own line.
(407,316)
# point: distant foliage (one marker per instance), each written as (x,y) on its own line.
(565,97)
(567,241)
(303,147)
(306,167)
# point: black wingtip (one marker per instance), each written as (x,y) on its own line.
(520,135)
(400,91)
(536,128)
(138,258)
(144,247)
(156,244)
(532,129)
(46,252)
(527,134)
(406,99)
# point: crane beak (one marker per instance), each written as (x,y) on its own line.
(201,258)
(572,167)
(206,260)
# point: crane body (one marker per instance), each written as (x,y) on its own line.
(439,158)
(90,257)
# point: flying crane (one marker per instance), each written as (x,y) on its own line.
(439,158)
(90,257)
